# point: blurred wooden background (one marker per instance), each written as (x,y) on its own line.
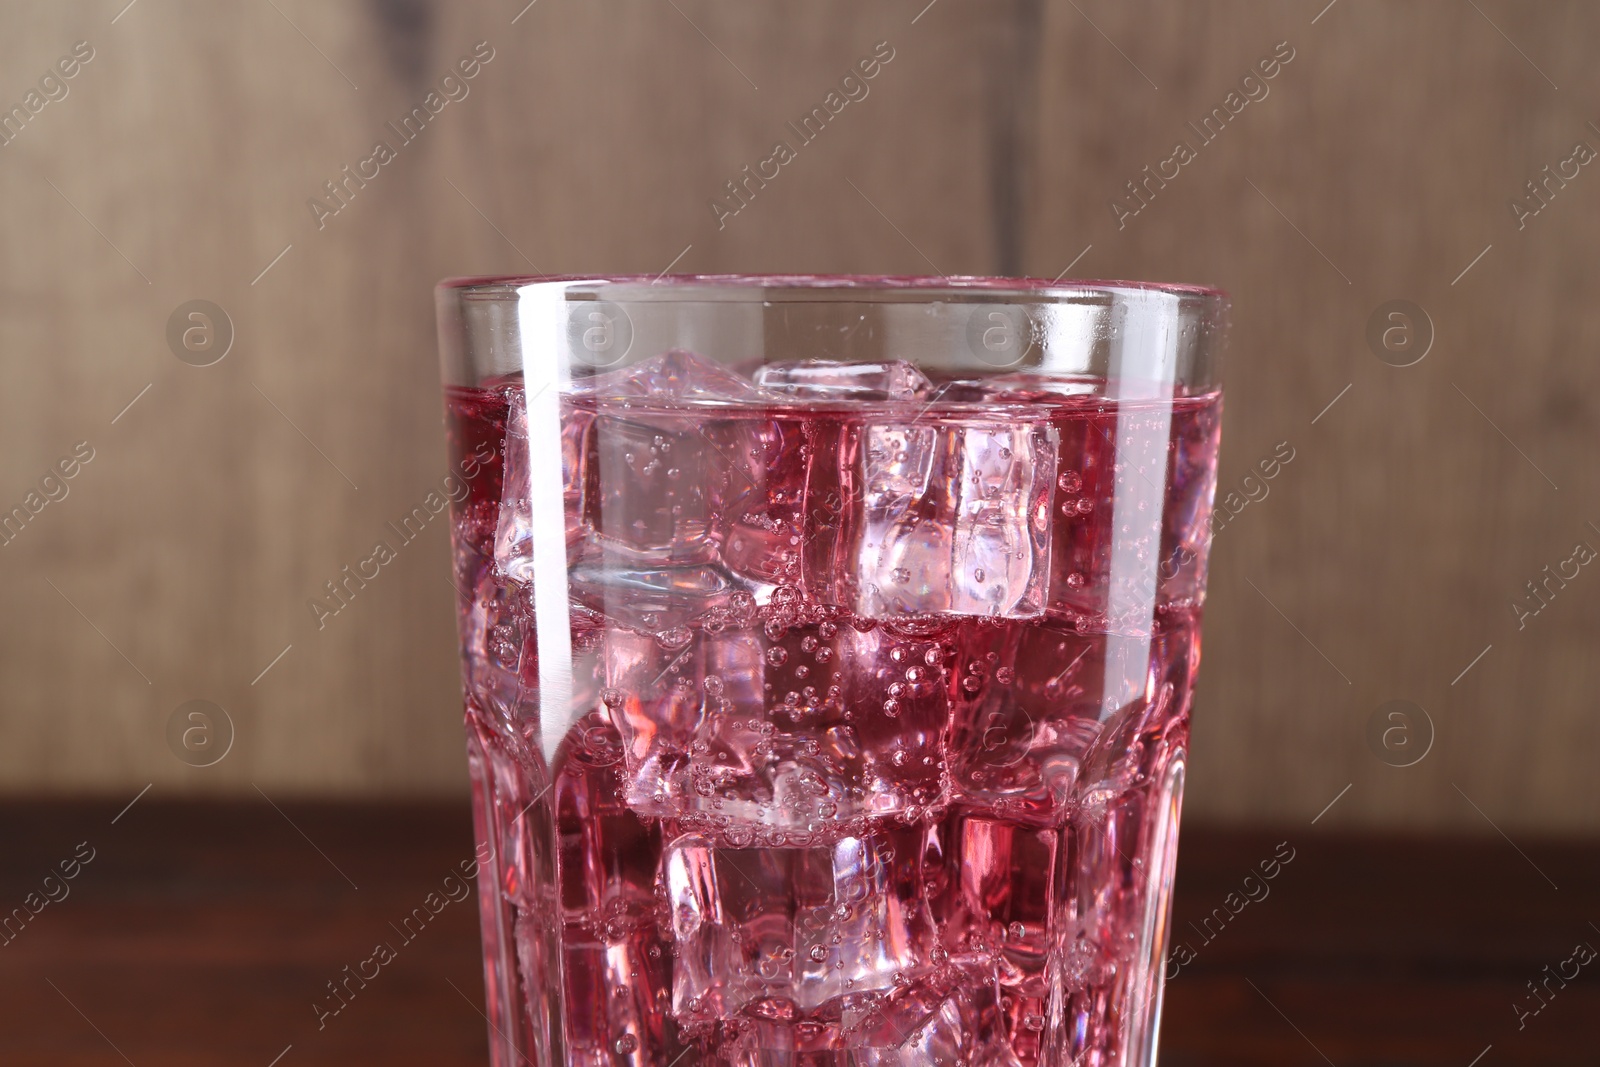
(1384,561)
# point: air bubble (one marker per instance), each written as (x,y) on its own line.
(1070,482)
(674,639)
(777,656)
(626,1044)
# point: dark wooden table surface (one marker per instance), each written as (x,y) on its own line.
(203,933)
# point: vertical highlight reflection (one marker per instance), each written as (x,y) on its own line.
(1140,381)
(546,374)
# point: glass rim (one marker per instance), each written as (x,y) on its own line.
(1020,286)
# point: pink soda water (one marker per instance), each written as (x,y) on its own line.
(856,729)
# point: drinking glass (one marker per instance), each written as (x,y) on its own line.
(828,646)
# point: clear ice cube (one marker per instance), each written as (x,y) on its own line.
(625,589)
(757,734)
(676,374)
(513,543)
(822,379)
(790,929)
(659,470)
(1025,716)
(759,525)
(934,515)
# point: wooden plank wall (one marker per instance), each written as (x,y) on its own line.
(1378,165)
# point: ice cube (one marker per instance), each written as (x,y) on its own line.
(605,870)
(493,640)
(997,916)
(821,379)
(627,590)
(937,514)
(674,375)
(513,543)
(954,1015)
(788,732)
(759,523)
(894,686)
(652,474)
(1027,701)
(656,467)
(794,928)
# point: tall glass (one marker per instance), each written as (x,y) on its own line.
(828,645)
